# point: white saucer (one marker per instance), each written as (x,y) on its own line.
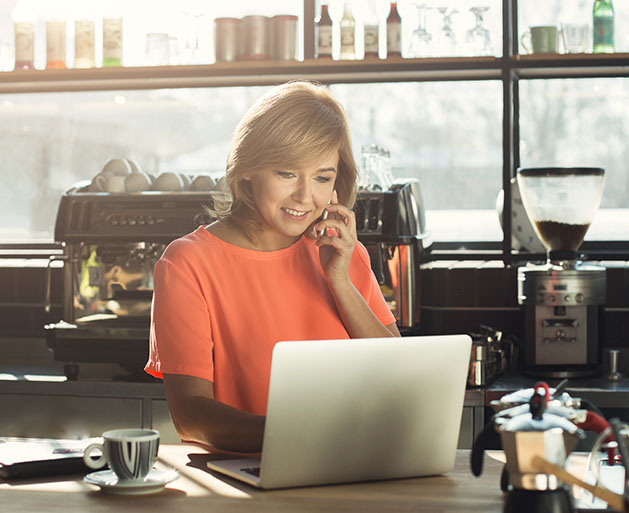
(109,482)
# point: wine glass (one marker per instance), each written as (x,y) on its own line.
(446,39)
(191,53)
(478,38)
(421,40)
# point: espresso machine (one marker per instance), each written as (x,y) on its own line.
(111,243)
(563,298)
(391,224)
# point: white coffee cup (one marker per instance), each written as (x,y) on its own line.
(187,179)
(118,167)
(135,167)
(137,182)
(541,39)
(93,186)
(202,183)
(130,453)
(107,182)
(168,181)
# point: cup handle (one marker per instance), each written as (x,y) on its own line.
(97,463)
(100,182)
(526,36)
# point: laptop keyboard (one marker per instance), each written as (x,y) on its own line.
(254,471)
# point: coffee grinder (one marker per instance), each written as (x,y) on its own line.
(562,299)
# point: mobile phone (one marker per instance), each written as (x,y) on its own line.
(324,216)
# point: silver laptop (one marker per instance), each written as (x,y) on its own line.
(359,410)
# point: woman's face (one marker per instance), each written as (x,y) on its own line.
(289,200)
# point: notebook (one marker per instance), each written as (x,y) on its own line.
(359,410)
(36,457)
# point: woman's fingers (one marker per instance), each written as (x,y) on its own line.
(335,228)
(338,211)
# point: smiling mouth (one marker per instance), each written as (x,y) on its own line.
(294,213)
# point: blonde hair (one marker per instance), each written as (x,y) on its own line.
(293,124)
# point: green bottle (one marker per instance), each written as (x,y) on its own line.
(603,27)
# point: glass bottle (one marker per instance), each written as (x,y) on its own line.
(55,21)
(24,17)
(323,34)
(394,32)
(84,35)
(371,26)
(603,26)
(348,26)
(112,35)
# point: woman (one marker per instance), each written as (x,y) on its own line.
(282,262)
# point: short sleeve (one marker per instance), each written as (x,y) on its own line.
(180,336)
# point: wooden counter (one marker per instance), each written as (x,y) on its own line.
(199,490)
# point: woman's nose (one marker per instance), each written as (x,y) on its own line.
(302,192)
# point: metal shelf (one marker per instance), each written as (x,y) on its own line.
(251,73)
(571,65)
(327,72)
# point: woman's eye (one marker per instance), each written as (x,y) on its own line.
(323,179)
(285,174)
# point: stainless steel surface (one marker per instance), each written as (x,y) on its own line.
(491,356)
(552,285)
(562,304)
(393,213)
(388,223)
(47,300)
(111,244)
(561,340)
(395,267)
(613,363)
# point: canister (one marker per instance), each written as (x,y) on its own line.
(227,39)
(255,36)
(283,37)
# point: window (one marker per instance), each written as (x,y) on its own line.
(581,122)
(446,134)
(51,141)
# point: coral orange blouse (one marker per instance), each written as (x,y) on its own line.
(219,309)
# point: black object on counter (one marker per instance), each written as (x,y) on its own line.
(43,468)
(41,457)
(548,501)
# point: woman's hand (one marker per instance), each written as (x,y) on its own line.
(336,241)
